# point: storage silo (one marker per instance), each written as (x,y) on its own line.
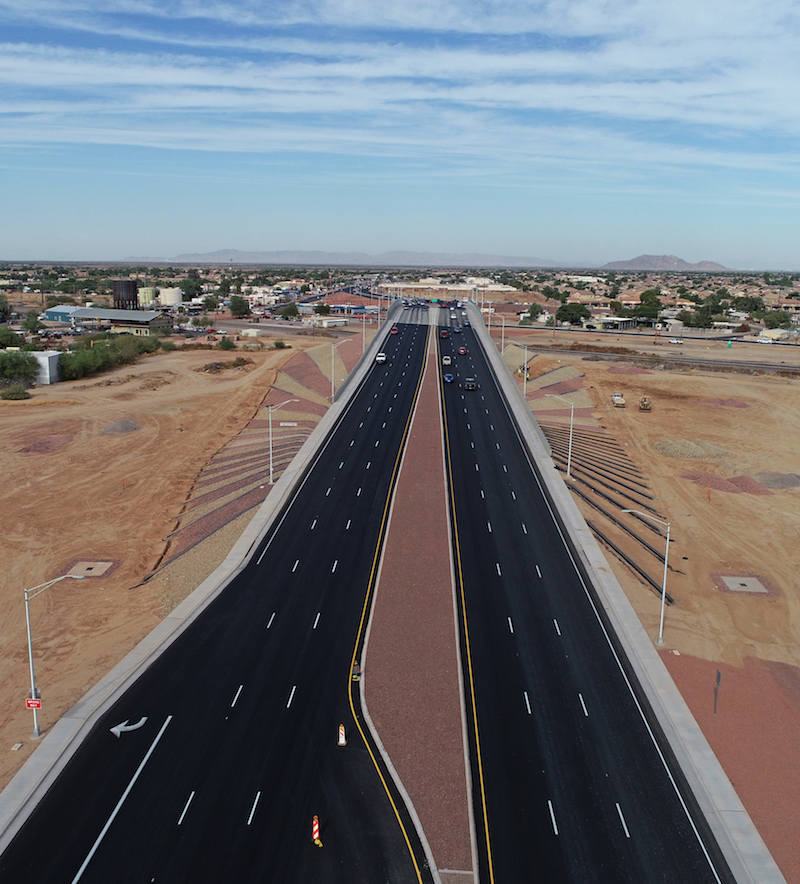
(126,294)
(171,297)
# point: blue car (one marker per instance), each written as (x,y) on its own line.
(448,378)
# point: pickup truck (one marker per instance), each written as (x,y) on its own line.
(618,400)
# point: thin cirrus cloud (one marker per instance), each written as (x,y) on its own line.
(518,84)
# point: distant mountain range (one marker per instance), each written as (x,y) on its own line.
(661,263)
(349,259)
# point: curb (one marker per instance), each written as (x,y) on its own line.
(737,837)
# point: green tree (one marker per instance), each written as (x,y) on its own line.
(9,339)
(210,302)
(776,319)
(191,288)
(31,322)
(322,309)
(535,310)
(224,289)
(5,309)
(239,307)
(288,310)
(201,322)
(226,344)
(748,303)
(650,298)
(572,313)
(17,367)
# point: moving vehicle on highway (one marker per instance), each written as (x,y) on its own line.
(448,378)
(462,351)
(444,333)
(470,384)
(380,358)
(446,360)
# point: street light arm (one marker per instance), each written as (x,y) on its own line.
(37,590)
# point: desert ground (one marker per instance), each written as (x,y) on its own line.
(84,486)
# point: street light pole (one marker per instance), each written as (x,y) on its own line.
(660,639)
(503,334)
(333,348)
(571,416)
(31,594)
(272,408)
(525,374)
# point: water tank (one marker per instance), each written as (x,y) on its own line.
(126,294)
(170,297)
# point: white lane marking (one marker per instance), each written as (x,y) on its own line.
(390,408)
(499,572)
(341,464)
(347,526)
(505,468)
(482,494)
(361,425)
(369,464)
(237,696)
(291,697)
(186,807)
(370,408)
(383,425)
(552,816)
(514,496)
(558,628)
(527,702)
(377,442)
(376,395)
(491,426)
(510,626)
(583,705)
(262,554)
(472,444)
(477,468)
(622,820)
(316,620)
(395,396)
(335,563)
(253,808)
(538,571)
(358,493)
(524,528)
(489,526)
(121,801)
(351,442)
(294,567)
(327,492)
(271,619)
(314,524)
(497,444)
(465,411)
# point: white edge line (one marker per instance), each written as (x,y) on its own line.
(186,807)
(622,820)
(291,696)
(237,696)
(121,801)
(553,816)
(527,702)
(253,808)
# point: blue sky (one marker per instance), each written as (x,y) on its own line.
(578,131)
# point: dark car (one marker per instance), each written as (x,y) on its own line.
(444,333)
(470,384)
(394,330)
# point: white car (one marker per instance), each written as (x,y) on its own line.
(446,360)
(380,358)
(675,341)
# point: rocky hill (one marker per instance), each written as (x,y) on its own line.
(663,262)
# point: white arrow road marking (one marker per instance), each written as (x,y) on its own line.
(121,801)
(119,729)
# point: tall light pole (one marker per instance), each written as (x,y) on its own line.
(272,408)
(525,374)
(333,351)
(503,334)
(571,416)
(31,594)
(660,639)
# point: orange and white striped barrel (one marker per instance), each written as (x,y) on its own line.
(342,738)
(315,831)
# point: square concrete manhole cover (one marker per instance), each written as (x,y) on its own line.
(746,583)
(91,569)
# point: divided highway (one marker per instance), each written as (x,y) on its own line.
(570,780)
(238,750)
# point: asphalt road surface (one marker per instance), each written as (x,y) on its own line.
(569,780)
(239,750)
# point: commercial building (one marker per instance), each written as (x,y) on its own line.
(136,322)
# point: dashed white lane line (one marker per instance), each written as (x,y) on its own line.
(553,816)
(369,464)
(499,572)
(377,442)
(253,808)
(294,567)
(622,820)
(538,571)
(472,444)
(335,563)
(347,526)
(327,492)
(186,807)
(489,526)
(316,619)
(510,626)
(271,619)
(505,468)
(524,528)
(358,493)
(558,628)
(314,524)
(291,697)
(233,703)
(513,496)
(341,464)
(482,494)
(527,702)
(361,425)
(352,442)
(583,705)
(477,468)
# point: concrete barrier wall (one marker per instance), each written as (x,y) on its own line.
(742,846)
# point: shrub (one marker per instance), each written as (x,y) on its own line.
(17,367)
(226,344)
(168,346)
(16,391)
(279,345)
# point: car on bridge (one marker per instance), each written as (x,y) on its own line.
(380,358)
(448,378)
(444,333)
(470,384)
(462,351)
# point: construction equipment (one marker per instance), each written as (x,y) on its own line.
(618,400)
(644,403)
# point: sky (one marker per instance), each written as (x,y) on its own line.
(574,131)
